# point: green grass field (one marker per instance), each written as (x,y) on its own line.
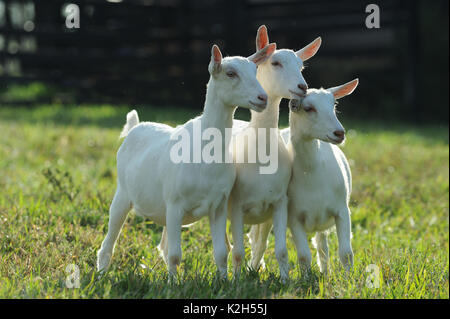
(58,177)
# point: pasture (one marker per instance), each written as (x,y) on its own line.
(58,177)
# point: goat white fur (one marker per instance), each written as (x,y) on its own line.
(178,194)
(320,186)
(261,199)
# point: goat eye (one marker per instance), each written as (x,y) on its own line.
(231,74)
(309,109)
(276,63)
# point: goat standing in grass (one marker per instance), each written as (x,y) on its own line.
(176,194)
(320,187)
(261,199)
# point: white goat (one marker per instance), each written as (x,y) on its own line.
(261,199)
(173,194)
(320,186)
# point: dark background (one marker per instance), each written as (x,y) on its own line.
(155,53)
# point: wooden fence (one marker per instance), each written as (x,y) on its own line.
(156,52)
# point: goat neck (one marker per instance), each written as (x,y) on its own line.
(216,114)
(269,117)
(305,148)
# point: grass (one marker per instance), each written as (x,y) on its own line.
(57,178)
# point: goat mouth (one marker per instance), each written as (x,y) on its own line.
(335,141)
(259,106)
(301,95)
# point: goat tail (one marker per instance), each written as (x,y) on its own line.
(132,121)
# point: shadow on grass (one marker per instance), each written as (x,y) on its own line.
(149,283)
(108,116)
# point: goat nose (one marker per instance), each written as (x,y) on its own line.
(339,133)
(262,97)
(303,87)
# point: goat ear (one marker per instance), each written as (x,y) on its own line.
(344,89)
(263,54)
(310,50)
(216,60)
(262,39)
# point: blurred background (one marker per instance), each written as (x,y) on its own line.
(155,53)
(65,93)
